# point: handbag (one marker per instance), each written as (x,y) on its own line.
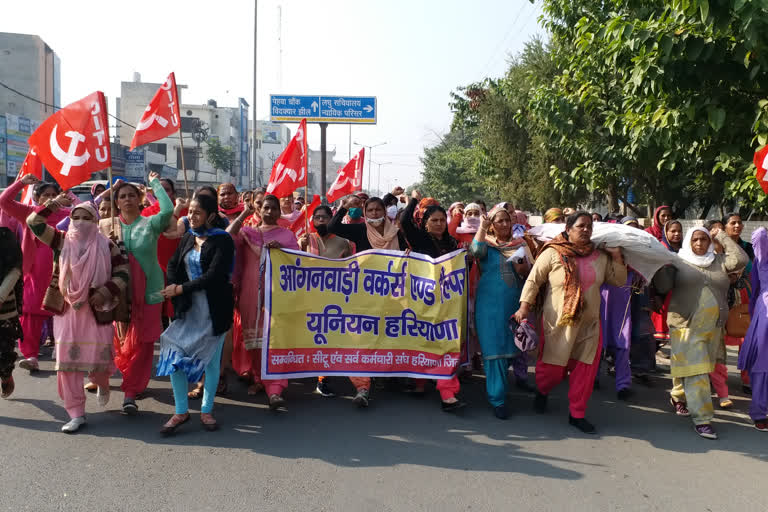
(738,321)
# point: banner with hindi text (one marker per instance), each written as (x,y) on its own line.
(377,313)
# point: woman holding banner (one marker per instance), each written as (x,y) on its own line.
(37,266)
(199,285)
(503,268)
(89,276)
(567,276)
(432,238)
(325,244)
(140,234)
(377,232)
(271,236)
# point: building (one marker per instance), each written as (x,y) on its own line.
(271,140)
(31,67)
(199,125)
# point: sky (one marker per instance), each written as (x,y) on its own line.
(410,54)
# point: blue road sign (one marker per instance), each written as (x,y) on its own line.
(286,108)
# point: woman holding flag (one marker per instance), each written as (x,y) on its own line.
(271,236)
(38,263)
(140,235)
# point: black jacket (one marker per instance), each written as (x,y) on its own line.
(216,259)
(357,233)
(421,241)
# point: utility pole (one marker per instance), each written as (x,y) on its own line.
(378,186)
(370,158)
(254,168)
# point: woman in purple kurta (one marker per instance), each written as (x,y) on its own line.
(753,356)
(616,324)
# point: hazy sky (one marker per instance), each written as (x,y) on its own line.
(409,53)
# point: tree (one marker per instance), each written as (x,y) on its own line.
(665,97)
(220,157)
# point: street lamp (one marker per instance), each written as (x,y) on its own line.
(378,186)
(370,158)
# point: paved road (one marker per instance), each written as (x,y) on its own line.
(402,453)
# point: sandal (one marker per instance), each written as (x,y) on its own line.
(208,422)
(91,387)
(726,403)
(197,393)
(175,422)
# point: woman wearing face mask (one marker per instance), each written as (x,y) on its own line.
(568,272)
(464,224)
(271,236)
(697,311)
(288,211)
(90,273)
(390,203)
(432,238)
(199,285)
(376,232)
(334,247)
(140,234)
(38,263)
(497,298)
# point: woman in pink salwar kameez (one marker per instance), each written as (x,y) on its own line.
(268,235)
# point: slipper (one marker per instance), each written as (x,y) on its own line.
(195,394)
(91,387)
(175,422)
(208,422)
(255,388)
(7,386)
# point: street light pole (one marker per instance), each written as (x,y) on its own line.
(378,185)
(254,168)
(370,158)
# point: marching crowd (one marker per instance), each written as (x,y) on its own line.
(108,278)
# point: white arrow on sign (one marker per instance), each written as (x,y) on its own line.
(368,108)
(314,106)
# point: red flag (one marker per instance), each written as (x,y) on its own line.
(74,142)
(31,165)
(761,162)
(290,169)
(161,117)
(299,226)
(349,178)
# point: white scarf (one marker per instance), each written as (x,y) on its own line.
(687,254)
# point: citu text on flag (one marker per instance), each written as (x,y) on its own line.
(290,169)
(349,178)
(161,117)
(73,143)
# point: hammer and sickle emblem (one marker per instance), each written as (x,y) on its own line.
(69,159)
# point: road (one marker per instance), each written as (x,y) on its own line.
(402,453)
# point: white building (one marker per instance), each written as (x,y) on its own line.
(271,140)
(199,124)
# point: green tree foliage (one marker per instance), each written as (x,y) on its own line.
(666,96)
(220,157)
(490,152)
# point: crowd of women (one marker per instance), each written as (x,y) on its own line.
(108,278)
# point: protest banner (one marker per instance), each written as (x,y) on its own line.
(378,313)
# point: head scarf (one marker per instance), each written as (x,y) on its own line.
(507,249)
(84,259)
(553,214)
(628,220)
(467,226)
(422,207)
(687,254)
(453,206)
(656,228)
(93,189)
(388,240)
(573,301)
(664,239)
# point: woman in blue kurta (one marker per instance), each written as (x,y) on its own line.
(498,297)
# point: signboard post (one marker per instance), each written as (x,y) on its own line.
(325,110)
